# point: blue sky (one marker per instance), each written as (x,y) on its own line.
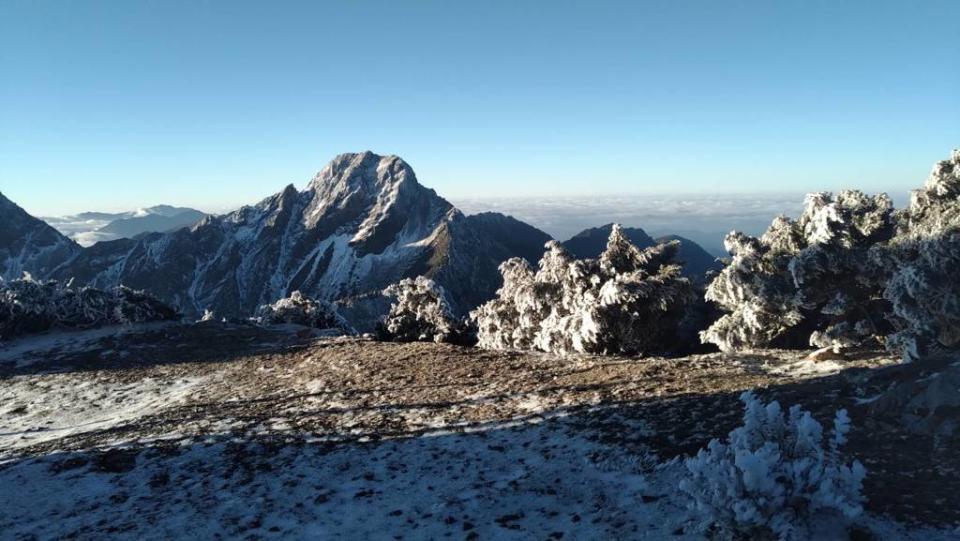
(114,105)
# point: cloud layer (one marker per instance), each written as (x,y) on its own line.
(704,218)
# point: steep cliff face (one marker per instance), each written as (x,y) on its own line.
(362,223)
(28,244)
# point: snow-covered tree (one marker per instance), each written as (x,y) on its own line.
(29,306)
(301,310)
(809,281)
(923,260)
(775,475)
(756,289)
(420,313)
(627,301)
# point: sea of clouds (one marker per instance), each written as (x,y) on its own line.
(703,218)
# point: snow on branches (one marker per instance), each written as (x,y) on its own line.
(30,306)
(805,281)
(300,310)
(775,474)
(627,301)
(420,313)
(849,271)
(923,260)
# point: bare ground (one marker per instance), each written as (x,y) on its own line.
(121,399)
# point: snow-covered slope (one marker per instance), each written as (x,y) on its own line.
(28,244)
(362,223)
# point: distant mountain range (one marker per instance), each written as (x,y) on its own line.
(88,228)
(362,223)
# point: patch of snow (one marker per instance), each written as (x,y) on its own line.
(55,406)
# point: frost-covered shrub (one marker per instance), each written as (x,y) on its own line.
(301,310)
(627,301)
(808,281)
(420,313)
(756,289)
(29,306)
(775,475)
(923,259)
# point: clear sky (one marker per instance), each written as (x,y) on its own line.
(121,104)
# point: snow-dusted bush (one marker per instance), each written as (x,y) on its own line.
(923,260)
(29,306)
(301,310)
(420,312)
(627,301)
(775,475)
(808,281)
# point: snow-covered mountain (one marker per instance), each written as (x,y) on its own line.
(362,223)
(591,243)
(88,228)
(28,244)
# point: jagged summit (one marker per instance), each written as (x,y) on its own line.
(380,194)
(362,223)
(361,170)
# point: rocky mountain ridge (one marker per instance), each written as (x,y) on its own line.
(29,245)
(361,223)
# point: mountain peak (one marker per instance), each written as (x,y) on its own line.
(361,171)
(363,223)
(379,195)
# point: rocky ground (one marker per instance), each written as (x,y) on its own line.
(232,431)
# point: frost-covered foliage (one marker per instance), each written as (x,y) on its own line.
(805,281)
(849,271)
(775,475)
(924,259)
(29,306)
(420,312)
(627,301)
(301,310)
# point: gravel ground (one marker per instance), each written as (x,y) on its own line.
(215,429)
